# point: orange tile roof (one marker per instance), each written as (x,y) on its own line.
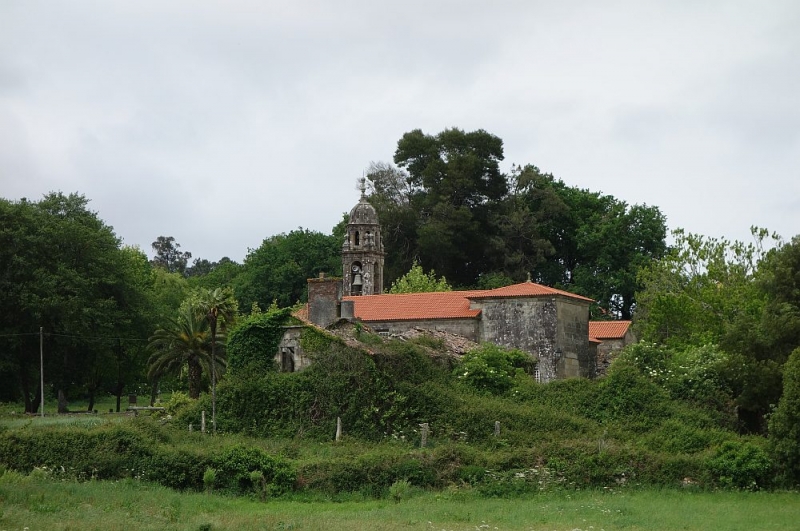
(301,313)
(608,329)
(414,306)
(441,305)
(527,289)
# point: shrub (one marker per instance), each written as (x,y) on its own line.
(177,468)
(675,436)
(626,394)
(784,424)
(177,401)
(209,478)
(235,466)
(740,465)
(373,472)
(492,368)
(406,362)
(102,452)
(400,490)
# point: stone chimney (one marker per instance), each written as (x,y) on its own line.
(324,296)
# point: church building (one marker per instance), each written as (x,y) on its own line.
(550,324)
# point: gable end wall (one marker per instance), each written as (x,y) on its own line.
(527,323)
(573,340)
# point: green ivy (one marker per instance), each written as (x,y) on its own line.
(253,343)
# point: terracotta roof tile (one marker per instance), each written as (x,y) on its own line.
(302,313)
(608,329)
(442,305)
(414,306)
(527,289)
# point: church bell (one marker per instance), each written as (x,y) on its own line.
(357,280)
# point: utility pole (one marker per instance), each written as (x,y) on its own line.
(41,366)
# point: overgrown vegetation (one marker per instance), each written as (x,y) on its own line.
(500,433)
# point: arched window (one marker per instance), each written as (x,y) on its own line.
(357,240)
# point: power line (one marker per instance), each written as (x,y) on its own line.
(95,338)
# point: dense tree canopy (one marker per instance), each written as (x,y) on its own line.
(735,296)
(63,269)
(454,179)
(448,206)
(279,268)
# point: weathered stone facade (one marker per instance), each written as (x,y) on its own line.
(290,356)
(611,336)
(362,251)
(467,328)
(552,325)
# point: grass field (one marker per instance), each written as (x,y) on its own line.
(35,502)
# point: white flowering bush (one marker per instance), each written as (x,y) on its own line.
(492,368)
(694,373)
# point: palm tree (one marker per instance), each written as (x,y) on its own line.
(184,342)
(218,308)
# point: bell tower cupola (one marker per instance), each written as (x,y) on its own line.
(362,250)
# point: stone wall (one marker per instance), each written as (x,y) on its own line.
(527,323)
(572,339)
(467,328)
(608,350)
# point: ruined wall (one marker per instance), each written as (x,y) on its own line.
(608,350)
(467,328)
(526,323)
(572,339)
(290,356)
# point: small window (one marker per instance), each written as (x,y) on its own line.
(536,374)
(357,239)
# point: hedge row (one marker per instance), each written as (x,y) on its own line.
(115,452)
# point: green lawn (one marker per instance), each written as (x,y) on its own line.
(39,503)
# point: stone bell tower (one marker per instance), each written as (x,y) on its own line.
(362,250)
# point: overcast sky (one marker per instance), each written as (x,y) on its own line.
(222,123)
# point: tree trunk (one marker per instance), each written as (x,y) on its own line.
(213,373)
(153,393)
(195,375)
(25,384)
(120,382)
(26,394)
(92,393)
(62,402)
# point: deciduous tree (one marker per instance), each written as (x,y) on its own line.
(418,281)
(169,256)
